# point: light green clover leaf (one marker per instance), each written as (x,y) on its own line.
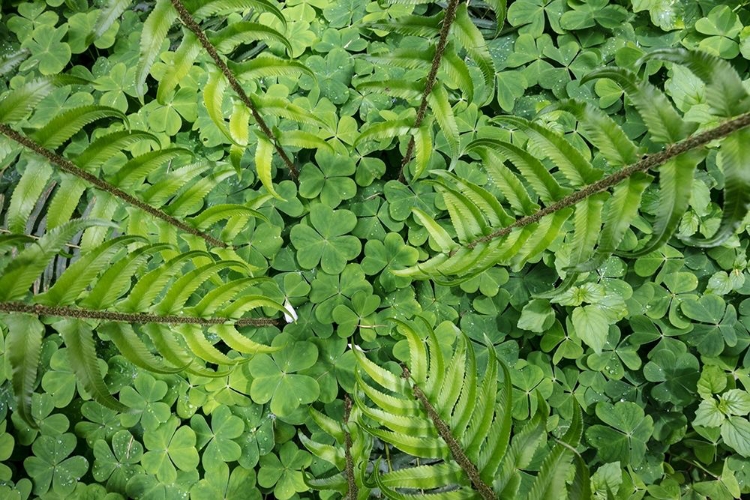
(722,27)
(219,438)
(284,473)
(626,434)
(100,423)
(48,52)
(221,484)
(275,378)
(50,464)
(258,438)
(145,399)
(326,243)
(537,316)
(170,445)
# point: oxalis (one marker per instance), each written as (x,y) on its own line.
(374,249)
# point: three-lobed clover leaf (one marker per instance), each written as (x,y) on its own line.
(625,436)
(329,179)
(275,376)
(221,484)
(360,313)
(50,464)
(729,412)
(676,372)
(219,438)
(381,258)
(170,445)
(116,465)
(718,324)
(145,402)
(326,242)
(284,473)
(48,52)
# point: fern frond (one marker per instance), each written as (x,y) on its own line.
(487,236)
(455,422)
(21,101)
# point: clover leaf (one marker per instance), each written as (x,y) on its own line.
(118,464)
(275,377)
(221,484)
(717,327)
(145,399)
(334,74)
(284,473)
(101,423)
(326,242)
(170,445)
(676,371)
(530,15)
(722,27)
(359,314)
(50,464)
(391,254)
(258,438)
(48,52)
(626,434)
(219,438)
(329,180)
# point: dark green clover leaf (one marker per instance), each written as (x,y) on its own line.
(334,74)
(118,464)
(170,445)
(258,438)
(530,14)
(48,423)
(284,473)
(526,381)
(329,291)
(329,180)
(614,355)
(334,369)
(220,484)
(145,401)
(100,423)
(676,372)
(626,434)
(403,198)
(326,244)
(48,52)
(149,487)
(717,324)
(275,378)
(361,313)
(219,438)
(381,258)
(50,464)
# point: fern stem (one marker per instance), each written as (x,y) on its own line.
(193,26)
(454,446)
(646,163)
(450,16)
(140,318)
(69,167)
(353,491)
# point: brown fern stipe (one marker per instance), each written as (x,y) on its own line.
(187,20)
(450,16)
(353,491)
(139,318)
(69,167)
(648,162)
(454,446)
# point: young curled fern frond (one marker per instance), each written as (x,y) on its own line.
(573,200)
(458,426)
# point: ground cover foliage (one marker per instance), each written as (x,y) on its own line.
(402,249)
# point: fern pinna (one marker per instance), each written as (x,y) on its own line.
(456,427)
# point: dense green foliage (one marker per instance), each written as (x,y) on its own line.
(330,248)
